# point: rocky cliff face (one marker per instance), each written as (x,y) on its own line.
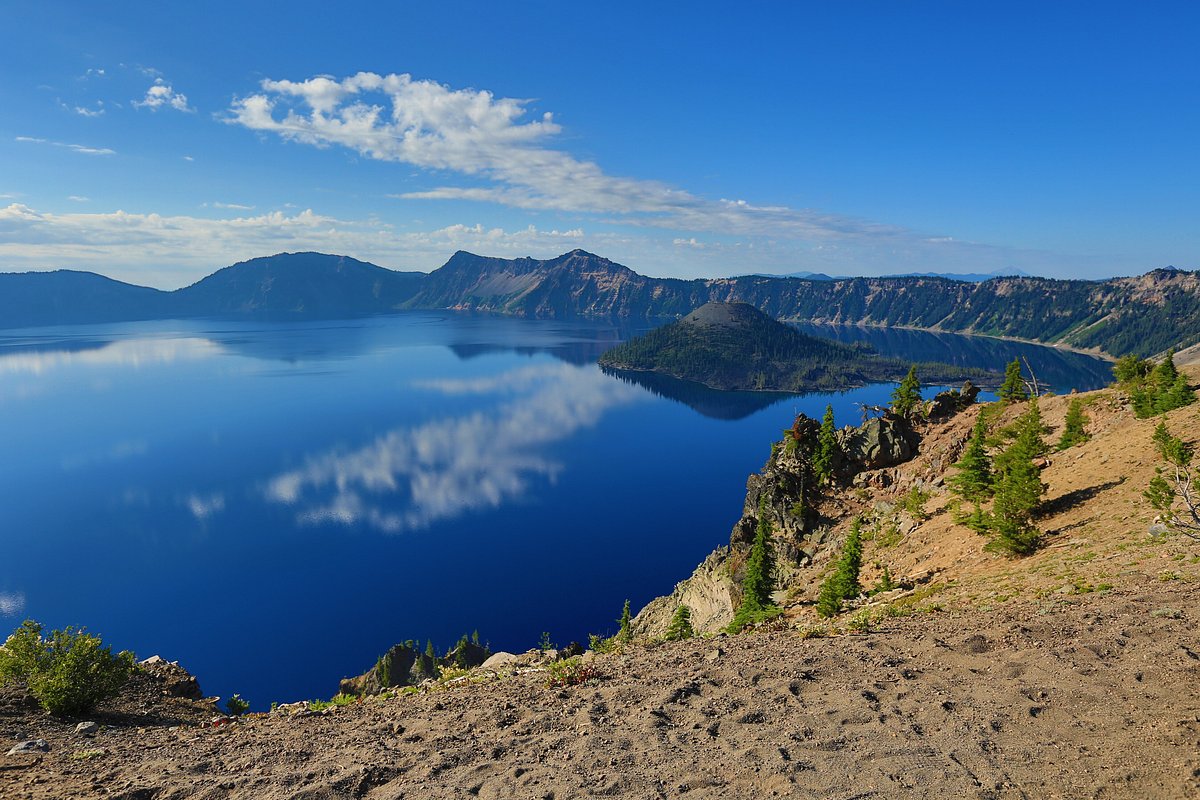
(786,492)
(1143,315)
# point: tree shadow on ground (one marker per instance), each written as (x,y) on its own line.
(1065,502)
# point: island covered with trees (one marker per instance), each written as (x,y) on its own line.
(734,346)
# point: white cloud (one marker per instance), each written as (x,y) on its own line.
(135,247)
(162,94)
(412,477)
(204,506)
(75,148)
(90,112)
(78,198)
(232,206)
(11,603)
(472,132)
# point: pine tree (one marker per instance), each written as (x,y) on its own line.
(475,638)
(842,584)
(827,448)
(681,625)
(907,395)
(1013,389)
(1073,428)
(625,634)
(759,582)
(974,478)
(1019,488)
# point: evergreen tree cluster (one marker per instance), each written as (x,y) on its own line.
(842,584)
(1012,481)
(1153,389)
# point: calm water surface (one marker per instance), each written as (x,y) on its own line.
(274,505)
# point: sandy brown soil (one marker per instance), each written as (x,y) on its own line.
(1092,698)
(1072,673)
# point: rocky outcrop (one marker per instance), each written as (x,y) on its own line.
(786,493)
(709,593)
(403,665)
(950,402)
(882,442)
(174,679)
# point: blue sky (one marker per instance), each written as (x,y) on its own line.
(156,144)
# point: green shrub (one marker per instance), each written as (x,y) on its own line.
(602,644)
(69,672)
(570,672)
(914,503)
(236,706)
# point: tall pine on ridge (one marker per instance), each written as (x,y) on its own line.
(759,582)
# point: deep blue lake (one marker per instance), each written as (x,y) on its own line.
(274,505)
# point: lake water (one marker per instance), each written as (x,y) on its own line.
(274,505)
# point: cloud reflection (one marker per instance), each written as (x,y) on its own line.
(409,478)
(11,603)
(125,353)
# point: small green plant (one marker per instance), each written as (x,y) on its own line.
(88,754)
(601,644)
(680,626)
(974,481)
(914,503)
(860,622)
(625,632)
(570,672)
(69,672)
(337,701)
(236,706)
(885,582)
(544,643)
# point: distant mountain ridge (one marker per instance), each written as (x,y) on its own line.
(1142,315)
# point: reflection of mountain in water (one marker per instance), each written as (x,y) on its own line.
(713,403)
(1063,370)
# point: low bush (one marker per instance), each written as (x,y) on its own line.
(69,672)
(570,672)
